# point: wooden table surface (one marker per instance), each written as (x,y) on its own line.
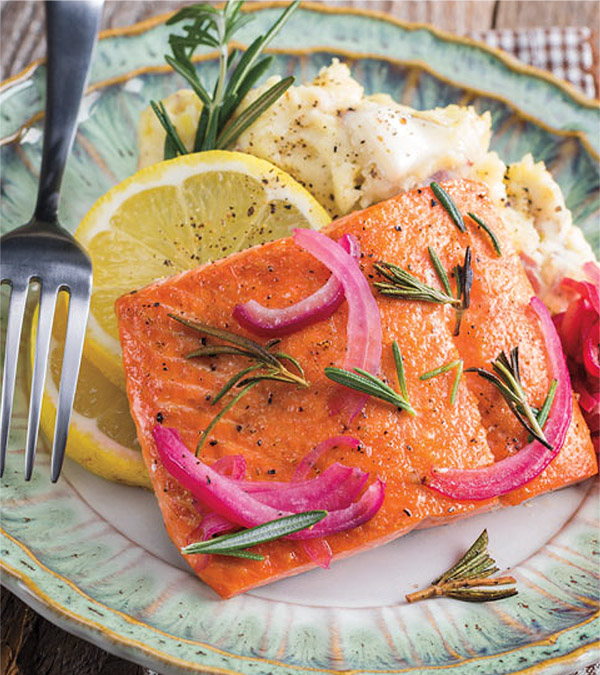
(30,645)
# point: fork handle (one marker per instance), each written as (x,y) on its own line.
(71,28)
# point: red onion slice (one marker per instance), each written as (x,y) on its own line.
(512,472)
(319,551)
(309,460)
(316,307)
(352,516)
(335,488)
(225,497)
(363,330)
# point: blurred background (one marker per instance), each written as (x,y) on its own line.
(513,24)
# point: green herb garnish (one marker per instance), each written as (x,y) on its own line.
(402,284)
(468,579)
(238,73)
(458,364)
(266,365)
(507,379)
(367,383)
(236,543)
(464,280)
(487,230)
(446,201)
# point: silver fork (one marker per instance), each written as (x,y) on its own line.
(42,250)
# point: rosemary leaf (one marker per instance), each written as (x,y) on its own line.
(249,345)
(217,350)
(544,411)
(464,281)
(399,361)
(441,272)
(488,231)
(438,371)
(274,529)
(366,383)
(457,377)
(217,418)
(469,595)
(446,201)
(173,144)
(250,114)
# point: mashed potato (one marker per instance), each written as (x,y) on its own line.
(352,150)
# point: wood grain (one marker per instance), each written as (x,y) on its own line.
(525,13)
(30,645)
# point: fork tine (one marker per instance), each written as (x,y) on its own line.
(16,310)
(44,333)
(76,322)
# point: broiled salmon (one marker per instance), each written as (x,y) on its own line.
(276,424)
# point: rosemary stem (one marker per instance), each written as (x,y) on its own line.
(441,589)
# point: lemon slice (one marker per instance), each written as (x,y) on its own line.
(102,435)
(178,214)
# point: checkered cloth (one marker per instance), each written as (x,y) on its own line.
(567,52)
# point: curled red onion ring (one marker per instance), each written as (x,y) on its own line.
(225,497)
(516,470)
(363,330)
(335,488)
(316,307)
(233,466)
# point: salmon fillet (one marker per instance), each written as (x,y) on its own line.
(275,425)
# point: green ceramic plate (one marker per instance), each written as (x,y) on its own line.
(93,556)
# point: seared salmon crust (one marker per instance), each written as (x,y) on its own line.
(275,425)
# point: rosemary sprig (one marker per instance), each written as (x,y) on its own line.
(446,201)
(458,364)
(402,284)
(468,579)
(488,231)
(265,365)
(506,378)
(367,383)
(238,73)
(236,544)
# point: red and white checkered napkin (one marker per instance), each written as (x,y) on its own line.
(567,52)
